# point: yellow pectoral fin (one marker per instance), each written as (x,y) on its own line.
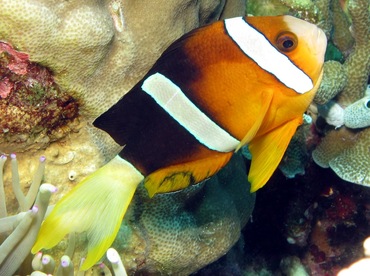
(96,205)
(267,151)
(177,177)
(266,97)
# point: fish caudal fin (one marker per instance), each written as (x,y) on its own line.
(267,152)
(96,205)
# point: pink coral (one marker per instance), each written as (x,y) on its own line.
(18,62)
(5,87)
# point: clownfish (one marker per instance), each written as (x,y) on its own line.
(244,80)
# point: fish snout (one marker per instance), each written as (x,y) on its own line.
(319,41)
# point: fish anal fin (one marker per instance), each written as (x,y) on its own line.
(96,205)
(180,176)
(267,98)
(267,151)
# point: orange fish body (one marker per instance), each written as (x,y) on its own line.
(232,90)
(235,82)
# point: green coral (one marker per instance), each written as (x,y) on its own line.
(334,80)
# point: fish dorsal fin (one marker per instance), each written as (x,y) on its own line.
(267,151)
(177,177)
(267,98)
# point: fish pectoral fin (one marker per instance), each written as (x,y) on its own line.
(96,205)
(177,177)
(267,98)
(267,152)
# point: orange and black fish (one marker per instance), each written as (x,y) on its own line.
(235,82)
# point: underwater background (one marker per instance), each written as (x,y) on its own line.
(64,63)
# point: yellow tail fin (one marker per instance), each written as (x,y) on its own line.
(96,205)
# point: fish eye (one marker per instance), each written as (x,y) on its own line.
(367,104)
(286,41)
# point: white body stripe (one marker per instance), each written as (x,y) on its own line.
(170,97)
(257,47)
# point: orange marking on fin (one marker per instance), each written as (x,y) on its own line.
(267,151)
(180,176)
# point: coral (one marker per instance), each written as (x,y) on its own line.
(178,233)
(314,11)
(332,243)
(357,115)
(297,153)
(334,80)
(313,224)
(114,42)
(343,149)
(341,36)
(33,107)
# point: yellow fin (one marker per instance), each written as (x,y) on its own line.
(177,177)
(267,98)
(267,151)
(96,205)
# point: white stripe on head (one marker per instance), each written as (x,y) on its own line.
(257,47)
(170,97)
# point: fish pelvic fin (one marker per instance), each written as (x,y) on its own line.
(180,176)
(96,205)
(267,98)
(267,151)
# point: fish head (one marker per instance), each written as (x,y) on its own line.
(303,43)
